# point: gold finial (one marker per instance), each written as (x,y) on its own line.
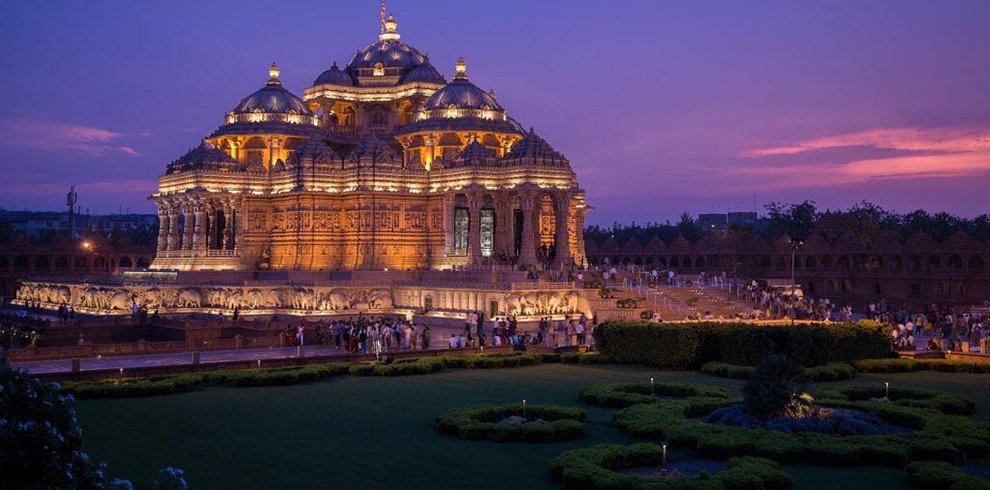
(461,68)
(273,71)
(390,26)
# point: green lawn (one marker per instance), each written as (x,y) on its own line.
(375,432)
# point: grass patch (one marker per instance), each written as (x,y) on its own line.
(906,397)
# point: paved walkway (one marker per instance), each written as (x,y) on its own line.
(172,359)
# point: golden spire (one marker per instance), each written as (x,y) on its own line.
(389,33)
(273,71)
(461,70)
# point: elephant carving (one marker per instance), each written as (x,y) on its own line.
(189,298)
(380,299)
(119,300)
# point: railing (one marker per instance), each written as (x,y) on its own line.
(221,253)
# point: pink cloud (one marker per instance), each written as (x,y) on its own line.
(946,140)
(59,137)
(140,187)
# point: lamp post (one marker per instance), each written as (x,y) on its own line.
(663,456)
(524,408)
(652,388)
(795,244)
(886,389)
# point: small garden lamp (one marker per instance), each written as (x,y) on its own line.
(652,390)
(886,389)
(663,456)
(524,408)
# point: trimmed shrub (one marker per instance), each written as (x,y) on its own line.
(482,422)
(619,395)
(690,345)
(936,437)
(939,475)
(584,358)
(829,372)
(906,397)
(594,468)
(911,365)
(134,387)
(416,367)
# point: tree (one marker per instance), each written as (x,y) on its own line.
(40,441)
(775,389)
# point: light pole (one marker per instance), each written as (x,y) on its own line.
(795,244)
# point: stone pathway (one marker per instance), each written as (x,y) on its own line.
(172,359)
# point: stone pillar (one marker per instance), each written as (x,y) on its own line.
(228,231)
(474,233)
(190,220)
(163,226)
(561,215)
(172,243)
(579,231)
(199,233)
(448,224)
(211,232)
(240,221)
(527,256)
(503,225)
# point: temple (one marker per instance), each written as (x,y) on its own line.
(383,164)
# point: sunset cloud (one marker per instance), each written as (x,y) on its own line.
(915,153)
(54,136)
(944,140)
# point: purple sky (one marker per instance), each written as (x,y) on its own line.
(662,107)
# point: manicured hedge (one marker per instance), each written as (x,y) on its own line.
(619,395)
(936,436)
(907,397)
(829,372)
(560,423)
(910,365)
(939,475)
(584,358)
(133,388)
(594,468)
(689,345)
(166,385)
(491,361)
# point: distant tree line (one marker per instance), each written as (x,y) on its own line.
(864,220)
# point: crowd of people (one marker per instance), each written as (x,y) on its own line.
(945,329)
(363,335)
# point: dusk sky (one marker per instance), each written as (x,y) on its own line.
(661,107)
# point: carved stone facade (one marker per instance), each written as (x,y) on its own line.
(109,299)
(381,165)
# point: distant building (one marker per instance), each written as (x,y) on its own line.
(718,221)
(39,224)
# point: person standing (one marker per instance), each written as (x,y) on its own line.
(300,334)
(426,337)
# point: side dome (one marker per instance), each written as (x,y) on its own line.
(388,52)
(273,98)
(334,76)
(460,93)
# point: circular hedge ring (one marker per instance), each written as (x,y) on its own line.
(504,423)
(935,436)
(621,395)
(906,397)
(595,467)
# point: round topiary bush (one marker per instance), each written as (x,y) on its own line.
(935,436)
(595,467)
(906,397)
(503,423)
(620,395)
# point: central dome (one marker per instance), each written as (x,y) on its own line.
(388,52)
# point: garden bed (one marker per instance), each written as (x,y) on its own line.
(620,395)
(504,423)
(935,436)
(604,466)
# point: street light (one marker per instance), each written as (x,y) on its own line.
(795,244)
